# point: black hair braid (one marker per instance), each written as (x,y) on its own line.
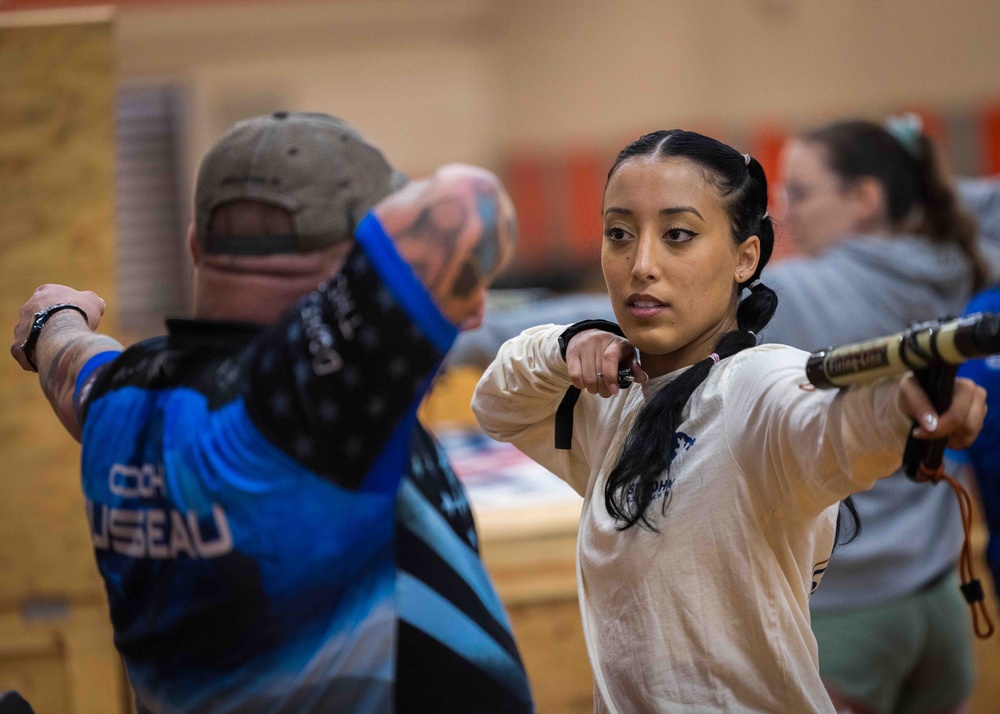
(650,446)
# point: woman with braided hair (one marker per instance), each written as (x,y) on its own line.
(711,486)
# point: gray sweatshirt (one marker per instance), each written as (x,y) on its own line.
(866,287)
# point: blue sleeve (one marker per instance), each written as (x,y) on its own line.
(985,301)
(984,454)
(330,383)
(86,378)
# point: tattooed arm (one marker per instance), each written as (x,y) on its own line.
(457,230)
(64,345)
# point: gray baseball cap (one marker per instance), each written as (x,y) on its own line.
(317,167)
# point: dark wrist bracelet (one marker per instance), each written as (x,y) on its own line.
(578,327)
(564,414)
(41,317)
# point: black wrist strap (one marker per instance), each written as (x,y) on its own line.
(564,414)
(41,317)
(578,327)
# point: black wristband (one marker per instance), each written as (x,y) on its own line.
(41,317)
(564,414)
(579,327)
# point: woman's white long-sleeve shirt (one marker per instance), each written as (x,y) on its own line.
(711,613)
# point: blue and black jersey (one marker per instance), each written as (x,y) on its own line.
(275,531)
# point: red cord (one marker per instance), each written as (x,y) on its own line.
(969,582)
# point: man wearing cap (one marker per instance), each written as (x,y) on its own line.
(244,475)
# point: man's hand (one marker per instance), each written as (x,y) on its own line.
(457,230)
(46,296)
(64,345)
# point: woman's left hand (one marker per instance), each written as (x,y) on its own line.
(962,421)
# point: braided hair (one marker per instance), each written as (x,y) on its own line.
(649,447)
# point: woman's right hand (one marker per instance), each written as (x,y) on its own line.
(594,357)
(960,423)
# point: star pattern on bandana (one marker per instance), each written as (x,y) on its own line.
(336,415)
(328,411)
(397,368)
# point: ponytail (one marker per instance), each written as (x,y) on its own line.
(904,161)
(945,220)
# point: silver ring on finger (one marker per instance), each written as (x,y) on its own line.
(600,375)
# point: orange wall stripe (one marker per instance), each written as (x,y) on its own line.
(585,175)
(990,138)
(526,184)
(766,144)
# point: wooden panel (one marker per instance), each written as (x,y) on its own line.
(56,207)
(32,665)
(64,664)
(535,567)
(449,404)
(550,637)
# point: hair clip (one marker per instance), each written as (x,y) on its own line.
(907,130)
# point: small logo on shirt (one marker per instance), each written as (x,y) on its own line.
(663,486)
(320,334)
(682,442)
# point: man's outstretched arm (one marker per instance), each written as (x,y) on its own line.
(457,230)
(339,376)
(63,346)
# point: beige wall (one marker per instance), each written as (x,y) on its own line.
(418,77)
(470,79)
